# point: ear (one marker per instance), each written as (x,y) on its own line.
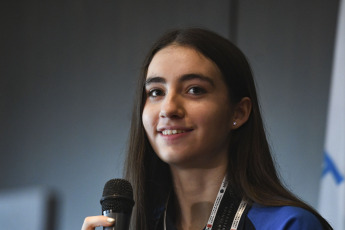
(241,113)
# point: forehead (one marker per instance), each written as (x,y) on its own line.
(176,60)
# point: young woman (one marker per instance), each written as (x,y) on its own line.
(198,157)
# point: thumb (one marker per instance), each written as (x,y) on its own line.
(91,222)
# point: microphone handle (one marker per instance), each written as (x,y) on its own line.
(122,220)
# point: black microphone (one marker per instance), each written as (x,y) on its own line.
(117,202)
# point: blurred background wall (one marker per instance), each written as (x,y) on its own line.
(68,71)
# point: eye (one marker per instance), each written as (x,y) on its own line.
(155,93)
(195,90)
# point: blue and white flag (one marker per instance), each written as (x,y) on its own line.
(332,192)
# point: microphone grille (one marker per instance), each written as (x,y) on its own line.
(117,196)
(118,187)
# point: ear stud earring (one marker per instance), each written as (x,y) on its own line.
(234,123)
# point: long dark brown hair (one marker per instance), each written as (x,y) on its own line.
(251,170)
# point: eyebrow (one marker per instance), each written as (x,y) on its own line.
(186,77)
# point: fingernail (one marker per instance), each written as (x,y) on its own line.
(111,220)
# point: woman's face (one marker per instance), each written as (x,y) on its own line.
(187,114)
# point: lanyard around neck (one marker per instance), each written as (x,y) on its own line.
(216,204)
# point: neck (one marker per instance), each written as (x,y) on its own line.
(196,191)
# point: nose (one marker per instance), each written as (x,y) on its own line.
(172,106)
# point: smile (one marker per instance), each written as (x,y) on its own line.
(172,131)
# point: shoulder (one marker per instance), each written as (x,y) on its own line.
(282,217)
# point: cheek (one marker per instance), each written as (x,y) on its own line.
(216,117)
(145,120)
(148,121)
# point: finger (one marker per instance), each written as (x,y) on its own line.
(91,222)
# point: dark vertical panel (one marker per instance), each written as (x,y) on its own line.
(233,20)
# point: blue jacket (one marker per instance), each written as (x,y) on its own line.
(280,218)
(257,217)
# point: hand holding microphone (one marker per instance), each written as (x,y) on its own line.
(117,203)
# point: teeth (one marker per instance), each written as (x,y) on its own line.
(172,132)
